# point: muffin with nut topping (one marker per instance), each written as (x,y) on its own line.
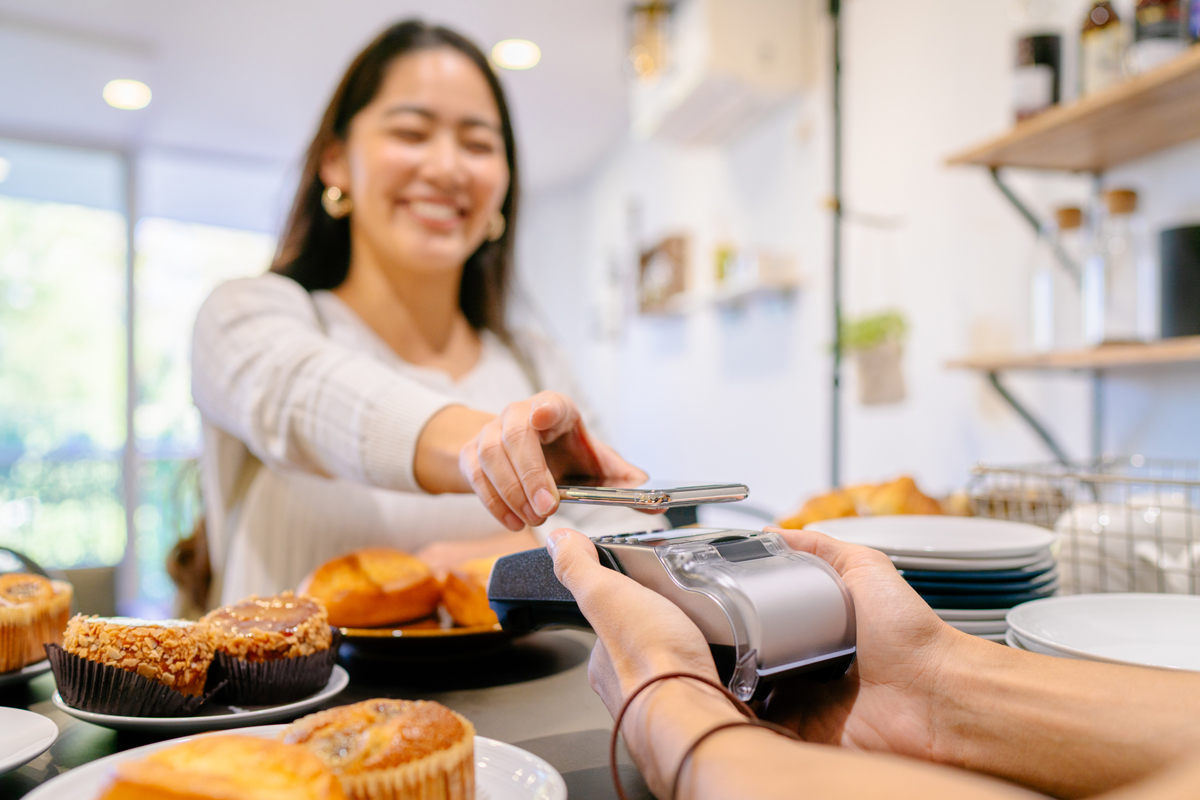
(132,667)
(272,649)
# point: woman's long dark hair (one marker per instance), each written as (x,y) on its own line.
(314,250)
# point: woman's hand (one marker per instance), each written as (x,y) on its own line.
(641,633)
(517,459)
(886,701)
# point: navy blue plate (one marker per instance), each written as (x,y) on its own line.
(998,575)
(980,587)
(987,600)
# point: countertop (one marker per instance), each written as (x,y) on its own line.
(532,693)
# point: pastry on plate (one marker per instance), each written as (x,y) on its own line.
(225,767)
(464,592)
(272,649)
(900,496)
(392,749)
(372,587)
(132,667)
(33,613)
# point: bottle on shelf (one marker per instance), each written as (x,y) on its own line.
(1055,289)
(1117,291)
(1101,49)
(1037,73)
(1160,33)
(1042,285)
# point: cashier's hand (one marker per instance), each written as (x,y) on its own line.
(641,633)
(885,702)
(517,459)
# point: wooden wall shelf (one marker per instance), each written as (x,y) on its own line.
(1140,116)
(1166,351)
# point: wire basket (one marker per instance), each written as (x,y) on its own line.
(1125,524)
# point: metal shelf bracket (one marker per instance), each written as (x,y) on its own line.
(1042,433)
(1069,265)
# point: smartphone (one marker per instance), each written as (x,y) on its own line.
(653,495)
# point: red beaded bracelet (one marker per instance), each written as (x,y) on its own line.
(751,720)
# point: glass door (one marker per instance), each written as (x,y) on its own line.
(63,271)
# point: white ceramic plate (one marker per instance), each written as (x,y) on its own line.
(22,675)
(1013,640)
(213,719)
(502,772)
(972,564)
(979,627)
(946,537)
(1149,630)
(957,614)
(24,736)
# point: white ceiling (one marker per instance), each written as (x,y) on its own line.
(250,78)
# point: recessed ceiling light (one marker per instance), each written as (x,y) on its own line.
(516,54)
(126,94)
(5,168)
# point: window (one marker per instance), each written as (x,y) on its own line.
(64,394)
(62,355)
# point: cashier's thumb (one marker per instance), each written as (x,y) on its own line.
(573,555)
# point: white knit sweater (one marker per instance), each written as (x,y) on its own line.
(334,414)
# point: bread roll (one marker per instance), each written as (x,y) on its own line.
(226,768)
(372,587)
(464,593)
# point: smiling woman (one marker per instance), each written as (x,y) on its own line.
(376,367)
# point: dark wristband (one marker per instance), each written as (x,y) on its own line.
(752,720)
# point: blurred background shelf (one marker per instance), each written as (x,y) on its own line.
(1167,351)
(1138,117)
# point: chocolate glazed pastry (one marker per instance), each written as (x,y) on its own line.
(272,650)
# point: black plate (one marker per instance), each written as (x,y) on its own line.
(997,575)
(980,587)
(987,600)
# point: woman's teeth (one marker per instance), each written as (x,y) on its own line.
(434,211)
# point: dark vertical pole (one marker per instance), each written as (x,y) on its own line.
(835,433)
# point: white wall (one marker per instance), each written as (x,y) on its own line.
(744,395)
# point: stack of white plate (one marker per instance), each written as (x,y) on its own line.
(969,569)
(1148,630)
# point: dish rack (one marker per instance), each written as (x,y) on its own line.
(1125,524)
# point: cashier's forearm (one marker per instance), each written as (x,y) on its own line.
(754,763)
(1069,728)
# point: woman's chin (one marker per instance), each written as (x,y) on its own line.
(434,257)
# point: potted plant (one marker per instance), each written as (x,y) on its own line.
(877,343)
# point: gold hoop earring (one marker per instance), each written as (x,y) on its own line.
(336,204)
(496,227)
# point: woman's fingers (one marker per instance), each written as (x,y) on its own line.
(473,471)
(523,447)
(620,471)
(496,455)
(552,414)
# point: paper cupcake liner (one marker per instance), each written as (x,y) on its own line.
(105,689)
(24,629)
(281,680)
(445,775)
